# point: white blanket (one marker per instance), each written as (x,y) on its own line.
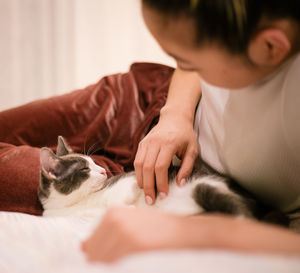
(36,244)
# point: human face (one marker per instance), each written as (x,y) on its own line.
(215,65)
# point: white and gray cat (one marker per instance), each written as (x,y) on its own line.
(72,184)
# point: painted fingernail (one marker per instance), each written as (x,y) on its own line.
(149,200)
(162,195)
(182,182)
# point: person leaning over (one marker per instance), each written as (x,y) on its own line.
(242,58)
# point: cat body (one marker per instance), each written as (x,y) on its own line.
(72,184)
(124,192)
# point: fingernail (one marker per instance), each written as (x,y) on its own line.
(182,182)
(149,200)
(162,195)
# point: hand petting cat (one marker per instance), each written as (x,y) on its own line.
(173,135)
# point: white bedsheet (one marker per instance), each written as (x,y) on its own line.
(36,244)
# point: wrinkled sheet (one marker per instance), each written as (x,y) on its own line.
(33,244)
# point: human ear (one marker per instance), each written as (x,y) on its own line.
(269,47)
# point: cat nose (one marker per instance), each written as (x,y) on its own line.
(103,172)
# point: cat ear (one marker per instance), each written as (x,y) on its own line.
(62,147)
(48,163)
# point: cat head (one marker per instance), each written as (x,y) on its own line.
(67,177)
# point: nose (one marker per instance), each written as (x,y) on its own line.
(103,172)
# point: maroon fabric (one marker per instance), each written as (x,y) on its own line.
(108,118)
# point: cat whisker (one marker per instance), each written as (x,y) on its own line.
(115,172)
(84,145)
(91,150)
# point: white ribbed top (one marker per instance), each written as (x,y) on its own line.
(253,134)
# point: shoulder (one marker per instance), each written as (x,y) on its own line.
(292,78)
(290,105)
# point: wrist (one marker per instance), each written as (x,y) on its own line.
(177,112)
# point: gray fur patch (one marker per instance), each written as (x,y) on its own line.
(212,200)
(72,172)
(44,187)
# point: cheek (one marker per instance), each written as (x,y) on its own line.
(97,178)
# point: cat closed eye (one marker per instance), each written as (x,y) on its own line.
(85,169)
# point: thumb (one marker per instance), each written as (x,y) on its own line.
(187,164)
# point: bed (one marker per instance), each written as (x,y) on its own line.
(52,244)
(92,119)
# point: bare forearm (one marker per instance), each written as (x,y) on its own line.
(184,93)
(238,234)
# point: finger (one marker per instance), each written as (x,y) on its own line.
(139,162)
(161,170)
(187,164)
(148,175)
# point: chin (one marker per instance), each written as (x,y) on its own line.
(235,83)
(98,185)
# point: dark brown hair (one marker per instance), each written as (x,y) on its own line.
(231,23)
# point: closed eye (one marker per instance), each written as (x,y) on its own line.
(188,69)
(85,169)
